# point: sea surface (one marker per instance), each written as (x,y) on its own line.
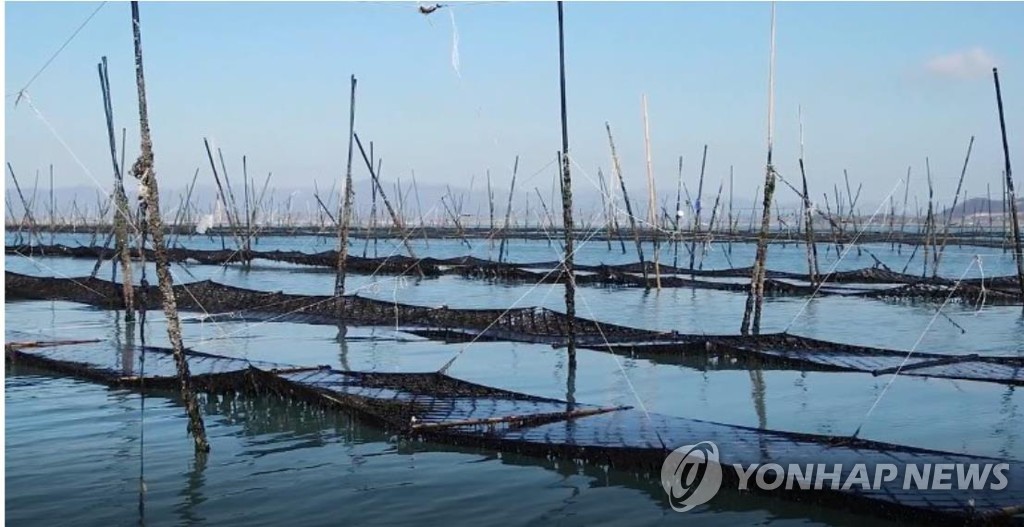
(76,452)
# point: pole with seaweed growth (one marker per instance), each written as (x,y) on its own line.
(345,214)
(567,223)
(121,217)
(755,297)
(629,205)
(1011,194)
(144,172)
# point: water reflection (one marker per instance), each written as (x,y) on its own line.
(192,495)
(757,392)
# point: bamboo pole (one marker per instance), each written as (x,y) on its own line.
(52,206)
(729,253)
(629,206)
(144,172)
(812,247)
(223,195)
(508,212)
(387,204)
(755,297)
(675,214)
(695,230)
(248,224)
(711,225)
(604,209)
(1012,195)
(419,209)
(121,217)
(949,217)
(651,196)
(27,215)
(490,208)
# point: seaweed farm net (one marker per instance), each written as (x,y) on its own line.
(444,409)
(530,325)
(868,282)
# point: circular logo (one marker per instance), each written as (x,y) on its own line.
(691,475)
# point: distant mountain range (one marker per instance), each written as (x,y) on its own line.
(981,206)
(300,203)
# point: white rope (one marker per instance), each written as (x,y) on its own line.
(846,250)
(912,349)
(53,57)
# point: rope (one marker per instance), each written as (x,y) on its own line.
(846,250)
(582,244)
(912,350)
(622,369)
(67,41)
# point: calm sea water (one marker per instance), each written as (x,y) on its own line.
(75,450)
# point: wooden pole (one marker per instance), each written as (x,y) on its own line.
(27,216)
(652,204)
(949,217)
(697,207)
(755,297)
(387,204)
(812,248)
(223,196)
(929,220)
(1011,194)
(730,210)
(121,216)
(508,212)
(567,223)
(346,208)
(248,224)
(675,214)
(419,209)
(629,206)
(52,205)
(143,171)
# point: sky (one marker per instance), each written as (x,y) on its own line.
(881,87)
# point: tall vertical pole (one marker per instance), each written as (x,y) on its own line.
(346,208)
(121,215)
(567,223)
(652,204)
(755,297)
(143,171)
(1018,254)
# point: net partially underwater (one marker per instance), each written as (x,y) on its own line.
(444,409)
(868,282)
(530,325)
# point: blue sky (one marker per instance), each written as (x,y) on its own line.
(881,85)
